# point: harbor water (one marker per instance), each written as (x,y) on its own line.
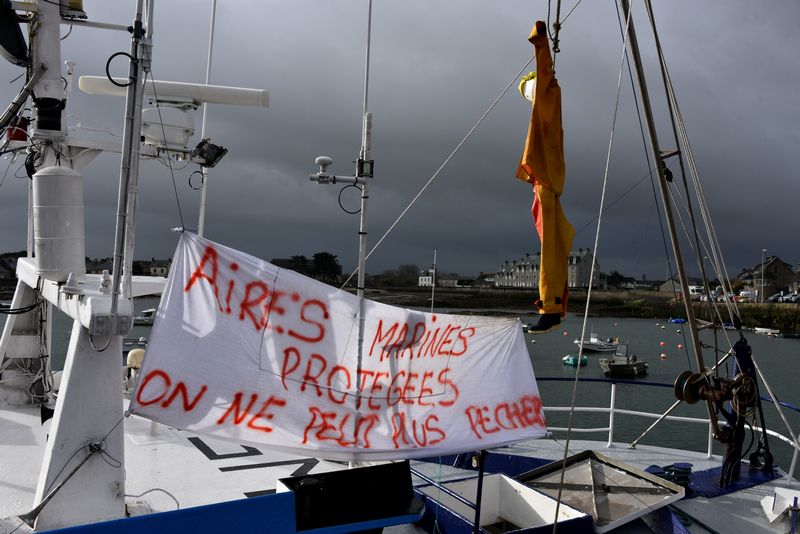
(649,339)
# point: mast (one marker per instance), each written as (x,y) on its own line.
(201,223)
(362,170)
(364,166)
(658,157)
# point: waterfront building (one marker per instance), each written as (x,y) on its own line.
(427,278)
(771,276)
(524,273)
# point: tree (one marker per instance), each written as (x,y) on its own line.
(299,264)
(326,267)
(614,279)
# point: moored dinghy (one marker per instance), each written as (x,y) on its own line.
(573,360)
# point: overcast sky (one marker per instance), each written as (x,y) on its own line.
(436,67)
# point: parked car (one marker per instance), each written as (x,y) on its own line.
(729,297)
(777,297)
(792,297)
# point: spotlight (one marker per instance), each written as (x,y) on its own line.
(208,153)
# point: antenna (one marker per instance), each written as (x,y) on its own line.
(433,279)
(167,91)
(201,218)
(364,170)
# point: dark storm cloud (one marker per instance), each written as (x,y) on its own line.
(435,68)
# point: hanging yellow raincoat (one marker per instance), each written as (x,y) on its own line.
(543,166)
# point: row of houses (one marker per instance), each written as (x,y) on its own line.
(524,273)
(768,278)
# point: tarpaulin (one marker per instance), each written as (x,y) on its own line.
(244,350)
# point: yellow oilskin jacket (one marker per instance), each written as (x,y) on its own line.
(542,165)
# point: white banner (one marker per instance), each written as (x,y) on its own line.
(244,350)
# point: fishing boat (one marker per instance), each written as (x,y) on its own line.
(623,364)
(597,344)
(571,359)
(163,468)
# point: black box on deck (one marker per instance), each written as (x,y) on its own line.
(351,495)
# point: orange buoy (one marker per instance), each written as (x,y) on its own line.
(661,343)
(680,346)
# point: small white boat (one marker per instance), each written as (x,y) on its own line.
(596,344)
(767,331)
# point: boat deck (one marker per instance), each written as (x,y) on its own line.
(193,471)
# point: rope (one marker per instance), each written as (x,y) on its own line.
(442,166)
(667,256)
(557,28)
(147,74)
(162,490)
(591,278)
(679,129)
(570,11)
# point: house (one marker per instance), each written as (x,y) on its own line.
(454,282)
(525,272)
(794,287)
(771,276)
(673,285)
(484,280)
(97,266)
(427,278)
(159,267)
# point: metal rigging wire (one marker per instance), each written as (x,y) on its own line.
(443,165)
(591,276)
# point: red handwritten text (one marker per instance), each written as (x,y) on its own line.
(259,303)
(379,389)
(157,385)
(402,340)
(522,413)
(331,426)
(256,419)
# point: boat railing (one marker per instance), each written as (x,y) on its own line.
(613,410)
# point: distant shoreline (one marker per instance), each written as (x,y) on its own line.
(605,303)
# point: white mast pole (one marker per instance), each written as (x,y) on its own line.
(433,279)
(130,156)
(145,56)
(204,188)
(363,176)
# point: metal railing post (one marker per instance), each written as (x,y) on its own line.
(611,415)
(709,452)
